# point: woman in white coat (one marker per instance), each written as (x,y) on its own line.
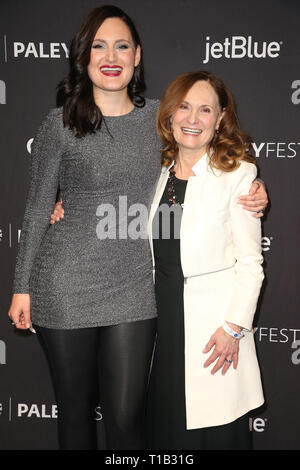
(208,273)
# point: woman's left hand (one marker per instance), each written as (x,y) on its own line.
(226,349)
(257,199)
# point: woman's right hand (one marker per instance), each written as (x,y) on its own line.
(19,311)
(58,213)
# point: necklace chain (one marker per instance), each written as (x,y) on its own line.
(171,185)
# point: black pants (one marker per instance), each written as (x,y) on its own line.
(111,363)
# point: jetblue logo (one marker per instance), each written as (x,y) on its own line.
(2,92)
(239,47)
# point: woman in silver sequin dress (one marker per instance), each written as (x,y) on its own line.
(89,297)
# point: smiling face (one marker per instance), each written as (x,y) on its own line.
(113,57)
(197,118)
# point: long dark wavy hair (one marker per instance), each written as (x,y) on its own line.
(75,91)
(230,144)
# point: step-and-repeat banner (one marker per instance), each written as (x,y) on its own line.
(253,45)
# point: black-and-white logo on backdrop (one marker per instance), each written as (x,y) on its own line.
(276,149)
(37,410)
(277,335)
(258,424)
(296,94)
(265,149)
(98,414)
(13,409)
(2,92)
(41,50)
(240,47)
(2,352)
(290,336)
(266,243)
(29,144)
(296,352)
(34,50)
(9,236)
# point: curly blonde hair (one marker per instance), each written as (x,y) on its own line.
(229,145)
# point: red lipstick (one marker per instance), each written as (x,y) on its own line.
(111,70)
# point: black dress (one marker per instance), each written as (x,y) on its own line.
(165,417)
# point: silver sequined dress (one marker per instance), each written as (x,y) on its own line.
(75,276)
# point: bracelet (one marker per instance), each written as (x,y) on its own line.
(231,332)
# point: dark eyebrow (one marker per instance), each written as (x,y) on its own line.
(118,40)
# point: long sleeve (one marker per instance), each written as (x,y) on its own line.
(246,233)
(44,182)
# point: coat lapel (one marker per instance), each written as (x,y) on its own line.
(162,181)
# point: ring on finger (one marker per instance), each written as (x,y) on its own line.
(229,360)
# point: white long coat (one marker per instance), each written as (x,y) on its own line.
(221,260)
